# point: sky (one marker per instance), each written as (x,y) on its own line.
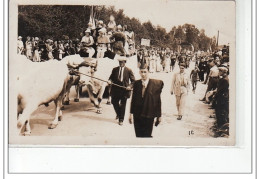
(212,16)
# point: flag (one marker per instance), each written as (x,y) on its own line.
(92,18)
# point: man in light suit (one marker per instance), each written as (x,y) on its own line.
(121,75)
(146,103)
(180,87)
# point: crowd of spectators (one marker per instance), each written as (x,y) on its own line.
(158,60)
(216,68)
(97,41)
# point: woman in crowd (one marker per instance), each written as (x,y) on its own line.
(158,63)
(112,24)
(20,46)
(167,63)
(102,43)
(87,43)
(36,56)
(28,47)
(152,62)
(49,49)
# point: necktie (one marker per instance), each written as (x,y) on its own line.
(143,89)
(182,80)
(120,74)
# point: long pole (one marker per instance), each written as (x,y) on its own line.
(217,38)
(99,79)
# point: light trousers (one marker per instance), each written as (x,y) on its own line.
(101,52)
(180,103)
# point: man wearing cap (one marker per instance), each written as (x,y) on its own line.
(121,75)
(213,78)
(87,43)
(222,97)
(102,43)
(20,46)
(194,77)
(202,67)
(180,87)
(146,103)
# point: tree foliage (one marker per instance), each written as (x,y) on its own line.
(56,21)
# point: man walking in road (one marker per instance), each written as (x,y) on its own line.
(146,103)
(121,75)
(180,87)
(194,77)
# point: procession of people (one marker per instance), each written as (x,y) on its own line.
(211,69)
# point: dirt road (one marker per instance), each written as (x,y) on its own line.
(81,125)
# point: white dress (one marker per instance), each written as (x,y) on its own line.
(20,46)
(36,56)
(152,63)
(167,64)
(158,64)
(28,49)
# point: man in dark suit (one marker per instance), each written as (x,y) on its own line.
(121,75)
(146,103)
(202,68)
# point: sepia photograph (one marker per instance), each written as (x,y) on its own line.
(122,73)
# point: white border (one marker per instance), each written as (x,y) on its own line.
(174,160)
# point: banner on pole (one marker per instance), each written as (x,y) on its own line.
(145,42)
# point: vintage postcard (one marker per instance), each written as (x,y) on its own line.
(122,73)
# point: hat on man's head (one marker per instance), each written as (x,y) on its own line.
(119,26)
(122,58)
(36,38)
(100,22)
(20,37)
(224,69)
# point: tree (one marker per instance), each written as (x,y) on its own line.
(55,21)
(191,35)
(204,41)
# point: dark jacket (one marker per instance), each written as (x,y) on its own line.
(222,94)
(203,66)
(150,105)
(127,75)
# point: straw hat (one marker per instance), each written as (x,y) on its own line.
(103,30)
(88,31)
(122,58)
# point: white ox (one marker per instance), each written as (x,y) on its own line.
(103,71)
(37,84)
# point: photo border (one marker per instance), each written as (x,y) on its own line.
(252,90)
